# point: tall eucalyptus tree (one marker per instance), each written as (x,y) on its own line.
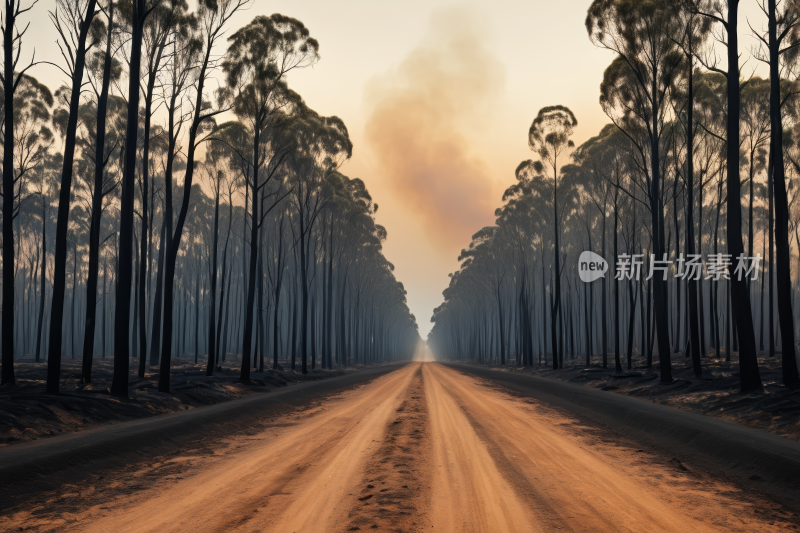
(260,56)
(634,94)
(213,18)
(549,137)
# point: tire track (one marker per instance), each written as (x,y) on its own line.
(397,477)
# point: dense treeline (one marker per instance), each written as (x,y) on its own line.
(698,159)
(195,210)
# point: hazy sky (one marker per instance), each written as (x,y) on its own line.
(438,97)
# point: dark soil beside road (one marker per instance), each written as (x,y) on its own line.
(775,408)
(28,413)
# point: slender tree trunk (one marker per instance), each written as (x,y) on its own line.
(43,281)
(155,332)
(677,284)
(74,294)
(223,303)
(617,362)
(304,293)
(105,299)
(557,348)
(763,279)
(692,299)
(197,313)
(631,322)
(213,286)
(313,333)
(728,323)
(255,224)
(293,347)
(223,338)
(642,320)
(147,229)
(657,214)
(328,340)
(771,236)
(544,306)
(119,384)
(700,283)
(715,286)
(134,337)
(649,346)
(91,280)
(791,378)
(9,20)
(65,196)
(259,307)
(603,317)
(749,376)
(278,284)
(500,324)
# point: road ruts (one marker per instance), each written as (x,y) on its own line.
(423,448)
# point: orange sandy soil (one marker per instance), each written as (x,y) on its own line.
(775,408)
(28,413)
(423,448)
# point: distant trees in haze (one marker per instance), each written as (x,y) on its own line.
(549,138)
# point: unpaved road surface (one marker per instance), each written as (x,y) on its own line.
(422,448)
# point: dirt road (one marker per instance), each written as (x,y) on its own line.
(424,448)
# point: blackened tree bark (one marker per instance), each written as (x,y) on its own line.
(783,256)
(727,15)
(10,42)
(213,280)
(167,16)
(749,376)
(155,331)
(279,271)
(690,249)
(74,294)
(44,277)
(98,192)
(119,382)
(328,318)
(76,67)
(223,303)
(617,362)
(197,313)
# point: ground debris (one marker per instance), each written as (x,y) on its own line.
(27,412)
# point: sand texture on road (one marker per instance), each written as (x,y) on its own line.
(423,448)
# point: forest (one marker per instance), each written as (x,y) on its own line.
(176,199)
(701,157)
(202,329)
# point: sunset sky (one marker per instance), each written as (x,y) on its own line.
(438,97)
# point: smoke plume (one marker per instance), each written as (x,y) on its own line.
(425,122)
